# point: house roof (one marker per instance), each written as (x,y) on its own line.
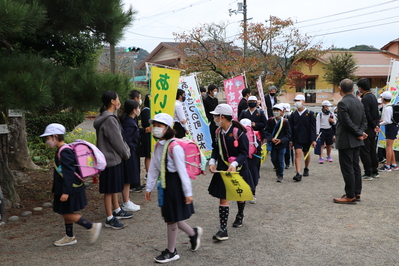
(370,64)
(163,45)
(386,46)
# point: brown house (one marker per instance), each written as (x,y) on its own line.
(166,53)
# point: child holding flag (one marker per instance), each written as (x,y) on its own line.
(228,154)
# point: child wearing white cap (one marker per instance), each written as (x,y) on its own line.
(168,166)
(68,189)
(391,130)
(228,154)
(325,122)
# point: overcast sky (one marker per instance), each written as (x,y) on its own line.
(332,22)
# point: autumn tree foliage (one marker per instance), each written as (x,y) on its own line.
(272,50)
(296,79)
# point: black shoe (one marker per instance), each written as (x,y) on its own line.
(221,235)
(287,166)
(280,179)
(195,240)
(297,177)
(167,256)
(238,221)
(138,189)
(306,171)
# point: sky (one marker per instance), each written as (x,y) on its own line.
(338,23)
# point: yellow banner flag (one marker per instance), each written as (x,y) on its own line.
(263,153)
(236,187)
(164,84)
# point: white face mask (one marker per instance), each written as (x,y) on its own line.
(51,142)
(157,132)
(298,104)
(215,93)
(141,102)
(138,112)
(276,113)
(287,112)
(216,123)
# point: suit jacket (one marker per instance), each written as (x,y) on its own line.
(242,105)
(269,105)
(351,124)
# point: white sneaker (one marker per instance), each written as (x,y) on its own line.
(65,241)
(130,206)
(95,232)
(253,201)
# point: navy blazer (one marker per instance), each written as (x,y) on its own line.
(241,152)
(131,133)
(65,184)
(242,105)
(284,135)
(258,117)
(351,124)
(303,127)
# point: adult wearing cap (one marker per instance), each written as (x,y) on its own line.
(303,130)
(349,137)
(256,115)
(391,130)
(210,104)
(271,100)
(368,152)
(278,134)
(180,121)
(226,156)
(243,104)
(325,122)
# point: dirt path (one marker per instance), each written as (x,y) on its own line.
(291,224)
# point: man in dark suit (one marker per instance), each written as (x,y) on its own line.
(350,133)
(243,104)
(271,99)
(210,103)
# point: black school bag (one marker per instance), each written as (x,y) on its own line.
(395,117)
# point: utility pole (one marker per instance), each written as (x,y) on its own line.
(245,26)
(112,57)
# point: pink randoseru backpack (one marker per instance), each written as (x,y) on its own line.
(192,158)
(90,160)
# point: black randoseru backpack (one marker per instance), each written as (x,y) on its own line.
(395,116)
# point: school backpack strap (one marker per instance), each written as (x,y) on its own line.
(59,168)
(162,176)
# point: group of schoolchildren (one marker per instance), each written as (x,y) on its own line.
(119,140)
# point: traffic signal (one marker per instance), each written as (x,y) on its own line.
(132,49)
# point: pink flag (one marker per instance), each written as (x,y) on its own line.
(261,94)
(233,88)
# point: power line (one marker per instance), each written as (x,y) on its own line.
(360,15)
(356,29)
(150,36)
(178,10)
(349,11)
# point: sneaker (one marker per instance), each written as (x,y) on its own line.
(306,171)
(66,241)
(321,160)
(287,166)
(367,178)
(95,232)
(130,206)
(138,189)
(329,159)
(297,177)
(167,256)
(394,167)
(122,214)
(114,223)
(221,235)
(383,160)
(280,179)
(238,221)
(377,175)
(385,168)
(252,201)
(195,240)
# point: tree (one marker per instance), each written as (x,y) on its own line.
(340,66)
(271,51)
(47,60)
(296,79)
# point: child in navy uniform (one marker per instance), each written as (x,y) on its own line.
(228,157)
(69,190)
(278,139)
(168,165)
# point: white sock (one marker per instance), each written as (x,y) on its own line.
(110,217)
(118,210)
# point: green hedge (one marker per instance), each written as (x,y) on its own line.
(35,126)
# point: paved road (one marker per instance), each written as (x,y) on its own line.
(291,224)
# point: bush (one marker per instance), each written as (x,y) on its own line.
(35,126)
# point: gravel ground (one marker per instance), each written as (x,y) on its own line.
(291,224)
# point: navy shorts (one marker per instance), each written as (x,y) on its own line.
(303,146)
(391,131)
(327,136)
